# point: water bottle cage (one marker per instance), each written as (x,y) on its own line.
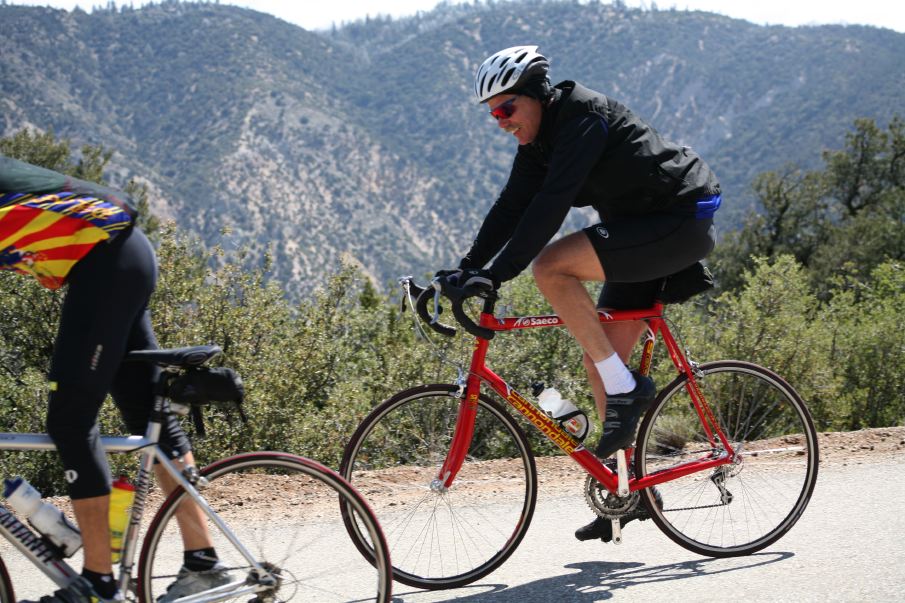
(562,420)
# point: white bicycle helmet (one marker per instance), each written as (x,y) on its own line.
(507,70)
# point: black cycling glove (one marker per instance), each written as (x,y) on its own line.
(450,276)
(481,278)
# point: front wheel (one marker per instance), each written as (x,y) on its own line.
(442,538)
(284,510)
(742,507)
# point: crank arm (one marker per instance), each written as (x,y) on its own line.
(621,475)
(617,531)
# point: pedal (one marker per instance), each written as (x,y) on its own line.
(621,475)
(617,531)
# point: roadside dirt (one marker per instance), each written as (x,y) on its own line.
(557,476)
(859,446)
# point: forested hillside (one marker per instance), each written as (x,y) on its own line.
(813,287)
(364,141)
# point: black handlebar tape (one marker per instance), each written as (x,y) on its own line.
(467,323)
(425,297)
(458,295)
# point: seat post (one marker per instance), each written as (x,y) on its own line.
(161,409)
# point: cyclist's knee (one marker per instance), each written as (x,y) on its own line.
(136,414)
(572,257)
(72,425)
(173,438)
(72,412)
(82,455)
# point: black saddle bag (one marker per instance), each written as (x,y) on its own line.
(685,284)
(207,386)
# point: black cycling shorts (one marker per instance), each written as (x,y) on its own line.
(105,314)
(638,251)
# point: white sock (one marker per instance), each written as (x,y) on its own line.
(617,379)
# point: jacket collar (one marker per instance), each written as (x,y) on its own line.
(550,114)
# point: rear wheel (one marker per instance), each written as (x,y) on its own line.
(442,538)
(742,507)
(6,587)
(285,511)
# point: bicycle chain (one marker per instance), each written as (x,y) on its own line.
(693,508)
(609,506)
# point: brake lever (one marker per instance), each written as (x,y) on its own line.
(410,292)
(437,293)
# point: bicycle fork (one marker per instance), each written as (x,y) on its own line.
(464,431)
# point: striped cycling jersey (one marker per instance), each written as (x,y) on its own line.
(46,234)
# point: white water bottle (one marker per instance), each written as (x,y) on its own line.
(569,416)
(46,518)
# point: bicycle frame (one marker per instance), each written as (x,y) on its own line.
(479,372)
(45,557)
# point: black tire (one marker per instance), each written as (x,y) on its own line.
(765,491)
(442,539)
(6,586)
(284,509)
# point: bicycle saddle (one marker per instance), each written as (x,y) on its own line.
(184,357)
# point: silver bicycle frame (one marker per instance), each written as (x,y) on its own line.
(43,557)
(33,546)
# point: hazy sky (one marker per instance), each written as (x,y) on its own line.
(313,14)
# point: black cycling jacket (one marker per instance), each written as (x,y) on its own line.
(590,151)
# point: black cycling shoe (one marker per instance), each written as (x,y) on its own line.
(603,529)
(623,411)
(79,591)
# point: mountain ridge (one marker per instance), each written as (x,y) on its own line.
(365,140)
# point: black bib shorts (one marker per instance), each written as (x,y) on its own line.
(637,252)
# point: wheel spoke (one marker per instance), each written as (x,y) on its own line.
(451,537)
(770,479)
(285,511)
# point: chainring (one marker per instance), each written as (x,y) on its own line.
(606,504)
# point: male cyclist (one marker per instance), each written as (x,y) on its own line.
(65,231)
(655,199)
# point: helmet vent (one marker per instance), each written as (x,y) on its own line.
(507,70)
(481,84)
(506,77)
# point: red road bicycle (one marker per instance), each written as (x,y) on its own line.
(729,445)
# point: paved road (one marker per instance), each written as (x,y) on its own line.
(848,546)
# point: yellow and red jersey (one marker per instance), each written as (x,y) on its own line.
(46,232)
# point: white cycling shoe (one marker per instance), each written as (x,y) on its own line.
(189,582)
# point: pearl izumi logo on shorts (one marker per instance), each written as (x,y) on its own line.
(71,475)
(96,357)
(603,232)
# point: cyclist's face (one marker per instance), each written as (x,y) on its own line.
(524,115)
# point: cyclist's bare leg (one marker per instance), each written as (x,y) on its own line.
(559,271)
(622,336)
(91,514)
(192,521)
